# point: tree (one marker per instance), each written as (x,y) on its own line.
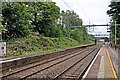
(114,13)
(18,18)
(15,19)
(48,13)
(70,18)
(80,34)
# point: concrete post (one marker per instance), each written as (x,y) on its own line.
(115,32)
(115,35)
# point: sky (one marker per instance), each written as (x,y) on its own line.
(90,11)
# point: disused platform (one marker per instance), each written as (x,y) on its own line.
(105,66)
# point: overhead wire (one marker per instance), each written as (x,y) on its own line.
(67,5)
(80,7)
(83,10)
(88,19)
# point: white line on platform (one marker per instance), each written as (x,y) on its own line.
(101,69)
(9,60)
(85,75)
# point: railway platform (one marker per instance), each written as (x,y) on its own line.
(104,66)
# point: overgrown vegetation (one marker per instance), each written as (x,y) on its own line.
(38,44)
(40,26)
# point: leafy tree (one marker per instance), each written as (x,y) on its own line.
(22,18)
(70,18)
(80,34)
(114,13)
(15,19)
(18,18)
(48,13)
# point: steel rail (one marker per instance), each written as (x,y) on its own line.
(41,64)
(51,65)
(56,77)
(44,62)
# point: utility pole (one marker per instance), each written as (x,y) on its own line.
(115,35)
(115,32)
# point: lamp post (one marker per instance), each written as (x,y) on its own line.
(115,34)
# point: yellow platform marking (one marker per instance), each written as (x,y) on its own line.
(111,63)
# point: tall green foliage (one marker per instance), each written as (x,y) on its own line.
(18,18)
(114,13)
(80,34)
(22,18)
(48,13)
(70,18)
(15,19)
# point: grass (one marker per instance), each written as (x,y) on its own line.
(38,44)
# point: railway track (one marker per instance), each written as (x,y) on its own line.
(77,70)
(35,64)
(57,72)
(6,70)
(63,64)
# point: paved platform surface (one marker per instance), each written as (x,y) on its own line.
(105,66)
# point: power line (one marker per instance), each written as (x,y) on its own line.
(79,7)
(67,5)
(85,15)
(82,10)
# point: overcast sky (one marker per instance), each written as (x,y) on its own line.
(93,11)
